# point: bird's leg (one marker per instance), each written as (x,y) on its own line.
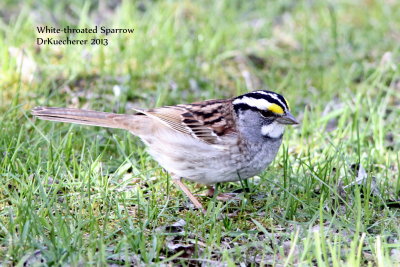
(227,196)
(210,191)
(220,196)
(189,194)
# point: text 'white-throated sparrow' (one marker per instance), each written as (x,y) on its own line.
(206,142)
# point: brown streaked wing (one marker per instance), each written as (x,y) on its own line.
(206,121)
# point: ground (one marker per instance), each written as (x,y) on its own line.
(86,195)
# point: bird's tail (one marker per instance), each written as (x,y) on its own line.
(85,117)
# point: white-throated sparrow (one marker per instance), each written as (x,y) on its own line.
(206,142)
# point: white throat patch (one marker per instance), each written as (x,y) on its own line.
(273,130)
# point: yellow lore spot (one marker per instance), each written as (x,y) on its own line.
(275,109)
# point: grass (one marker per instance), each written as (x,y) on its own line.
(72,195)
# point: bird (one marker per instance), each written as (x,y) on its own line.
(207,142)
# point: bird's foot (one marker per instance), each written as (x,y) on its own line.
(189,194)
(227,196)
(220,196)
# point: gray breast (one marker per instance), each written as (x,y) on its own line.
(260,155)
(237,166)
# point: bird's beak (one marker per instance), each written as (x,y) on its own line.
(288,118)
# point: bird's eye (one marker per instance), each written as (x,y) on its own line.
(266,113)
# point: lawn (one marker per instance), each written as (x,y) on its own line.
(79,195)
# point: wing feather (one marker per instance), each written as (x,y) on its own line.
(207,121)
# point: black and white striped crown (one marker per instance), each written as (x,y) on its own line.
(262,100)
